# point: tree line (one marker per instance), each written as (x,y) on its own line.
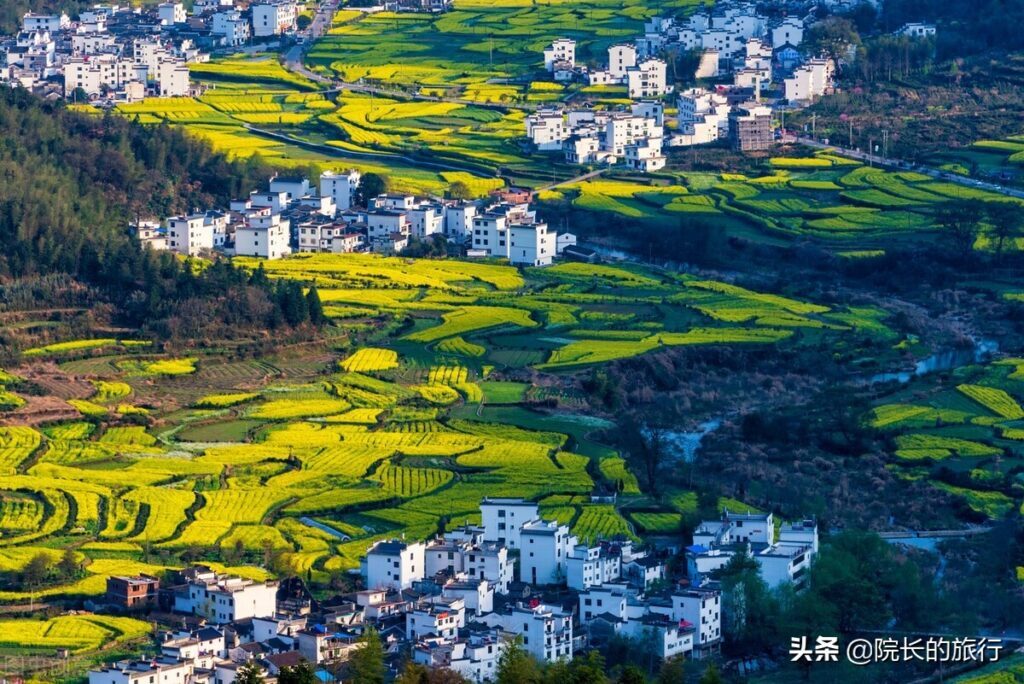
(72,184)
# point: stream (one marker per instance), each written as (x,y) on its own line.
(948,359)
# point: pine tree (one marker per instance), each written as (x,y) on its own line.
(315,306)
(366,663)
(516,666)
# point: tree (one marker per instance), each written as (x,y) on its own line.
(459,191)
(672,671)
(647,451)
(1006,220)
(68,566)
(833,36)
(314,306)
(250,673)
(631,674)
(371,185)
(961,219)
(711,675)
(367,662)
(516,666)
(303,21)
(303,673)
(36,570)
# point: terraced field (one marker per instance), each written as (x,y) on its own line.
(230,456)
(967,439)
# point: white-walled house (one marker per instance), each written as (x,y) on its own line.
(393,563)
(342,186)
(703,117)
(273,17)
(588,566)
(232,26)
(917,30)
(702,608)
(157,671)
(50,23)
(192,234)
(477,595)
(647,79)
(171,13)
(293,187)
(440,616)
(475,657)
(621,57)
(546,129)
(225,599)
(790,31)
(546,630)
(264,235)
(530,244)
(502,519)
(546,544)
(670,638)
(561,53)
(458,220)
(810,81)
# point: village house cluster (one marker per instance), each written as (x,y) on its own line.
(761,56)
(123,53)
(294,215)
(456,601)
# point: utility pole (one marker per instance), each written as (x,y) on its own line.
(851,135)
(885,144)
(871,146)
(814,126)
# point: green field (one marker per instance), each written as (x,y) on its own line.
(967,439)
(411,419)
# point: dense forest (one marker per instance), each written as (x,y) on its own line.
(72,182)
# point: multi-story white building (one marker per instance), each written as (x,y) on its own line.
(702,608)
(273,17)
(342,186)
(264,235)
(162,670)
(503,519)
(626,128)
(293,187)
(587,566)
(477,594)
(560,54)
(233,28)
(426,219)
(621,57)
(202,646)
(440,616)
(475,658)
(276,202)
(810,81)
(51,23)
(172,78)
(171,13)
(546,630)
(612,599)
(382,223)
(393,563)
(647,79)
(458,220)
(703,117)
(789,31)
(645,156)
(97,73)
(221,600)
(192,234)
(546,129)
(530,244)
(670,638)
(545,546)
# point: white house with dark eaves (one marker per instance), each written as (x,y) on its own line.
(546,544)
(393,563)
(546,631)
(226,599)
(781,560)
(503,518)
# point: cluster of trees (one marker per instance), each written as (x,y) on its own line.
(41,570)
(72,184)
(963,220)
